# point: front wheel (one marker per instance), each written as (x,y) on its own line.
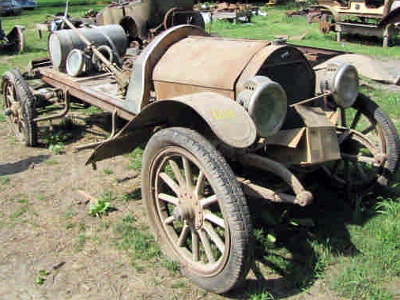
(196,208)
(369,146)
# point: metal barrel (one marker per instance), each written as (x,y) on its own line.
(63,41)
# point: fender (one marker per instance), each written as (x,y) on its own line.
(227,119)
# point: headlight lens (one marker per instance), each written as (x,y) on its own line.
(266,102)
(342,80)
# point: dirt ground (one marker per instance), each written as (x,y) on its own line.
(52,249)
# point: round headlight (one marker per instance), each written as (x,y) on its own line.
(342,80)
(266,102)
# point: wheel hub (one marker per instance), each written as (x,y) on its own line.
(189,209)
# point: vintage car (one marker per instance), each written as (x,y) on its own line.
(27,4)
(379,18)
(220,120)
(10,8)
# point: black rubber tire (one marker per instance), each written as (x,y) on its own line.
(235,259)
(386,140)
(15,88)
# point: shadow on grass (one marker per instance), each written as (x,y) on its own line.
(297,244)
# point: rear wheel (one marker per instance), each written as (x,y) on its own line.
(369,146)
(18,105)
(197,209)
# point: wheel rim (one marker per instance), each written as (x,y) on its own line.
(13,108)
(189,212)
(362,146)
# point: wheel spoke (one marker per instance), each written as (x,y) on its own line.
(208,201)
(343,117)
(342,137)
(170,182)
(214,237)
(368,129)
(169,220)
(168,198)
(188,171)
(208,215)
(177,172)
(201,179)
(195,245)
(359,158)
(356,119)
(207,246)
(184,235)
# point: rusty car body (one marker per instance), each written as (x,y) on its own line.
(380,18)
(209,112)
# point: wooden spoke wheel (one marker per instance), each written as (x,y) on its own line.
(369,146)
(18,106)
(197,209)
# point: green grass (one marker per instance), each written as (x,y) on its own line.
(367,276)
(276,24)
(137,242)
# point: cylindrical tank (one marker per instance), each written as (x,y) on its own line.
(63,41)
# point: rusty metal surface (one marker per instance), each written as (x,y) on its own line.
(205,62)
(138,92)
(285,65)
(139,17)
(88,90)
(228,120)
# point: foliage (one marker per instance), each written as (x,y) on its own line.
(138,243)
(102,207)
(135,159)
(56,141)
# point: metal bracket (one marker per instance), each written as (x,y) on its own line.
(113,133)
(60,115)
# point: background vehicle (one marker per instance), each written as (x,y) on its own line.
(27,4)
(370,18)
(10,8)
(220,119)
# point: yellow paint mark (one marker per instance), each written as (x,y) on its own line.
(220,114)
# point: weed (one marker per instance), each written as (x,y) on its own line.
(262,294)
(108,171)
(4,180)
(137,242)
(68,214)
(178,285)
(55,142)
(135,195)
(135,159)
(80,243)
(2,118)
(92,110)
(41,278)
(172,266)
(51,162)
(102,207)
(40,197)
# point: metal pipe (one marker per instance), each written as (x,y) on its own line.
(59,115)
(303,197)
